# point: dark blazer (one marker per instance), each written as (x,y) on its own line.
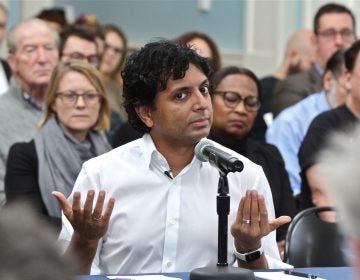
(22,183)
(295,88)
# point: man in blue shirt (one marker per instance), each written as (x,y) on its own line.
(288,129)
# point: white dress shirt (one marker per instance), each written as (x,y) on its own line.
(161,224)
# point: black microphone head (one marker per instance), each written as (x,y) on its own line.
(199,149)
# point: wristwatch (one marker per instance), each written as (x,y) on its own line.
(249,256)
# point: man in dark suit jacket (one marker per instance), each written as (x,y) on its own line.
(334,28)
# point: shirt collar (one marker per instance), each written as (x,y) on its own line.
(153,158)
(31,101)
(319,69)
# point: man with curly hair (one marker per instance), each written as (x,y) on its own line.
(165,218)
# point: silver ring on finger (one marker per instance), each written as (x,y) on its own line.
(246,221)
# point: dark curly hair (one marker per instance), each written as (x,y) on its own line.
(148,70)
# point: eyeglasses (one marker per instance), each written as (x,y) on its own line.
(71,97)
(115,49)
(233,99)
(330,34)
(92,59)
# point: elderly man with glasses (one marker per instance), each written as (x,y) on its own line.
(33,54)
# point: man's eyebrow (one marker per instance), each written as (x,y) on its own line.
(206,81)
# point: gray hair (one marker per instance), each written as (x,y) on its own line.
(12,35)
(340,167)
(28,247)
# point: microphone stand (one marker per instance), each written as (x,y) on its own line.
(222,271)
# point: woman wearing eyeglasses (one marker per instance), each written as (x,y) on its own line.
(236,99)
(76,113)
(112,61)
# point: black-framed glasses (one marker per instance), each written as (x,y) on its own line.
(93,59)
(115,49)
(71,97)
(233,99)
(330,34)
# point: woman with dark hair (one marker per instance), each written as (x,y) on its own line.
(111,65)
(204,46)
(236,99)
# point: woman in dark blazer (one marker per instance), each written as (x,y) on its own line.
(236,99)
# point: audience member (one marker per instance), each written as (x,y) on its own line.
(340,169)
(5,71)
(204,45)
(28,249)
(166,91)
(91,22)
(289,128)
(75,113)
(33,53)
(234,115)
(111,65)
(79,42)
(339,119)
(299,56)
(55,17)
(334,28)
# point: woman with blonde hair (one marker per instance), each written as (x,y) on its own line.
(76,113)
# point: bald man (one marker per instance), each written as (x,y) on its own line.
(299,56)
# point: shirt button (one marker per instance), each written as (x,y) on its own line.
(172,222)
(169,264)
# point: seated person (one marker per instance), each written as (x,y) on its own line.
(112,62)
(236,99)
(341,119)
(28,249)
(341,170)
(71,132)
(289,128)
(166,222)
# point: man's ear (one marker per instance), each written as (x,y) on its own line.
(144,113)
(327,80)
(347,80)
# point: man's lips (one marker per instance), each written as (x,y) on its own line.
(43,71)
(201,121)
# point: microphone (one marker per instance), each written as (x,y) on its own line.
(224,162)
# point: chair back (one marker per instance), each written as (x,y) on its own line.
(312,242)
